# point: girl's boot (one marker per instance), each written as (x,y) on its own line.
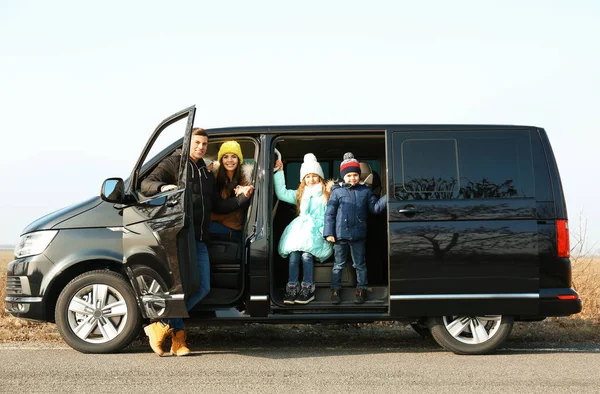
(291,293)
(307,294)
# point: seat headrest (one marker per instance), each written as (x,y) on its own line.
(366,174)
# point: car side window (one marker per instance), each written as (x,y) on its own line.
(462,165)
(168,142)
(429,168)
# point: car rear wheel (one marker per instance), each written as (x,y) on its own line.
(97,313)
(470,334)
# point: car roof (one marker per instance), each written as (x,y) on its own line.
(363,128)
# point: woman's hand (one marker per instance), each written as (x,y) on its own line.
(331,239)
(245,190)
(278,165)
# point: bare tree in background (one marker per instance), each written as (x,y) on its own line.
(586,270)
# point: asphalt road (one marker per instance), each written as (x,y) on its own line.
(305,366)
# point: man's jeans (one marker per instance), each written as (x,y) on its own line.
(357,250)
(204,272)
(307,268)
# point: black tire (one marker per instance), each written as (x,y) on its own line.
(102,329)
(421,328)
(490,333)
(150,282)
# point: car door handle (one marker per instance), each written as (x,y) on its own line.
(410,210)
(172,203)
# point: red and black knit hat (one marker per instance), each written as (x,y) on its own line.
(349,164)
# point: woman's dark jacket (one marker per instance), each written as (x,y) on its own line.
(346,213)
(204,194)
(233,220)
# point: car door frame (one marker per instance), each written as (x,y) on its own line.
(159,233)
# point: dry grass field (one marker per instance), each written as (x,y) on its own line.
(581,328)
(586,280)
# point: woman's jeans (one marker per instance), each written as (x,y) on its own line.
(357,250)
(204,272)
(218,228)
(307,268)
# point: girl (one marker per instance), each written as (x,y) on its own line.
(303,238)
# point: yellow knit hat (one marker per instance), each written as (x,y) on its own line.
(230,147)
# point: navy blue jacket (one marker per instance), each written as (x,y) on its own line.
(346,214)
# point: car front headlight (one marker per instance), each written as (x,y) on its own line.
(34,243)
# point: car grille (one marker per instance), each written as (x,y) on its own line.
(17,285)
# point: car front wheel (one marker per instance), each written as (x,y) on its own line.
(97,313)
(470,334)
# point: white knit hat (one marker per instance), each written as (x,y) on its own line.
(311,166)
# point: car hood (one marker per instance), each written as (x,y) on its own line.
(90,213)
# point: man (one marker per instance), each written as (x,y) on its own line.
(204,196)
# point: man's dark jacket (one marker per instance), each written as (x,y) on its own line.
(204,194)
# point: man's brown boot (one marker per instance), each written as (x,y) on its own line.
(157,333)
(178,346)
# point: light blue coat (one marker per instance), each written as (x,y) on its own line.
(305,232)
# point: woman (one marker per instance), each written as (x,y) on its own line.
(232,181)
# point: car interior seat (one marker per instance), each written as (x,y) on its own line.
(370,178)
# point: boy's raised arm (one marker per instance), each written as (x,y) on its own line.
(377,206)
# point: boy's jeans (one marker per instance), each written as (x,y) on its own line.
(357,250)
(203,289)
(307,268)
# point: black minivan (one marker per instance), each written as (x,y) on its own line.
(475,237)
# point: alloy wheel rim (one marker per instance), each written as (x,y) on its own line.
(472,330)
(97,313)
(149,286)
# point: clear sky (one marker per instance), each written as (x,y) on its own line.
(83,84)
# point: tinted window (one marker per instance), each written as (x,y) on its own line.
(495,165)
(543,187)
(429,168)
(462,165)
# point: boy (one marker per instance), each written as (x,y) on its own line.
(346,225)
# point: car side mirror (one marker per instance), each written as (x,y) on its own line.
(112,190)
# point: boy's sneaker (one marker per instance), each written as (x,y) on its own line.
(291,293)
(361,296)
(307,294)
(335,297)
